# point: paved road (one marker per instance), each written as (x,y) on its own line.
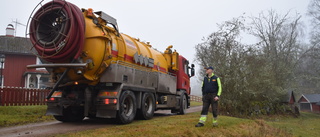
(56,127)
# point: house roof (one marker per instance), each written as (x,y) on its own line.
(40,71)
(16,45)
(312,98)
(287,97)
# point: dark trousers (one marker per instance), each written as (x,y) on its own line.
(208,99)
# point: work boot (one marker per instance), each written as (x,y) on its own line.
(215,122)
(200,125)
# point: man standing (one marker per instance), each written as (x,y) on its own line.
(211,91)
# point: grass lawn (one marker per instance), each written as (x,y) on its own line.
(193,103)
(183,125)
(18,115)
(307,125)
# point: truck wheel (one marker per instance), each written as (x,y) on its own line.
(127,108)
(147,106)
(71,114)
(183,104)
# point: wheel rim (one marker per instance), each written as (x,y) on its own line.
(128,106)
(185,102)
(148,105)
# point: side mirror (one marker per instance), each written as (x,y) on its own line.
(192,70)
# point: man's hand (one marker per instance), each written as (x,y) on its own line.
(216,98)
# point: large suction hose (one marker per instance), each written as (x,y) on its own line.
(57,31)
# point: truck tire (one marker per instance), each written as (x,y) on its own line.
(183,104)
(147,106)
(71,114)
(127,108)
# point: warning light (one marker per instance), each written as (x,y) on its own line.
(51,99)
(106,101)
(114,101)
(105,93)
(76,83)
(90,12)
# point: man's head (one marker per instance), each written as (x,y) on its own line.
(209,70)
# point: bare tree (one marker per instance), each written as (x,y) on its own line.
(278,35)
(252,75)
(229,57)
(314,13)
(309,63)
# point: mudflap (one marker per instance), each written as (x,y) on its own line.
(54,109)
(106,111)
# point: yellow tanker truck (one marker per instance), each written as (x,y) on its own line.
(99,72)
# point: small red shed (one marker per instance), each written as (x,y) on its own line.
(310,102)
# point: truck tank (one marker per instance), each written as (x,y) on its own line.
(64,36)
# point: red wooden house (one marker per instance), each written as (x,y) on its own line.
(310,102)
(17,55)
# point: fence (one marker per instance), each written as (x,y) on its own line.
(11,96)
(195,98)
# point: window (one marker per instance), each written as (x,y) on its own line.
(2,61)
(44,81)
(2,65)
(186,67)
(1,80)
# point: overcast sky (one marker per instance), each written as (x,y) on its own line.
(181,23)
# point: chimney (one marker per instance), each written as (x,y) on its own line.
(10,30)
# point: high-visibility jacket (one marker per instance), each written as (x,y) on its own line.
(211,84)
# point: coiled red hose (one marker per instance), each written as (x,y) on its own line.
(57,31)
